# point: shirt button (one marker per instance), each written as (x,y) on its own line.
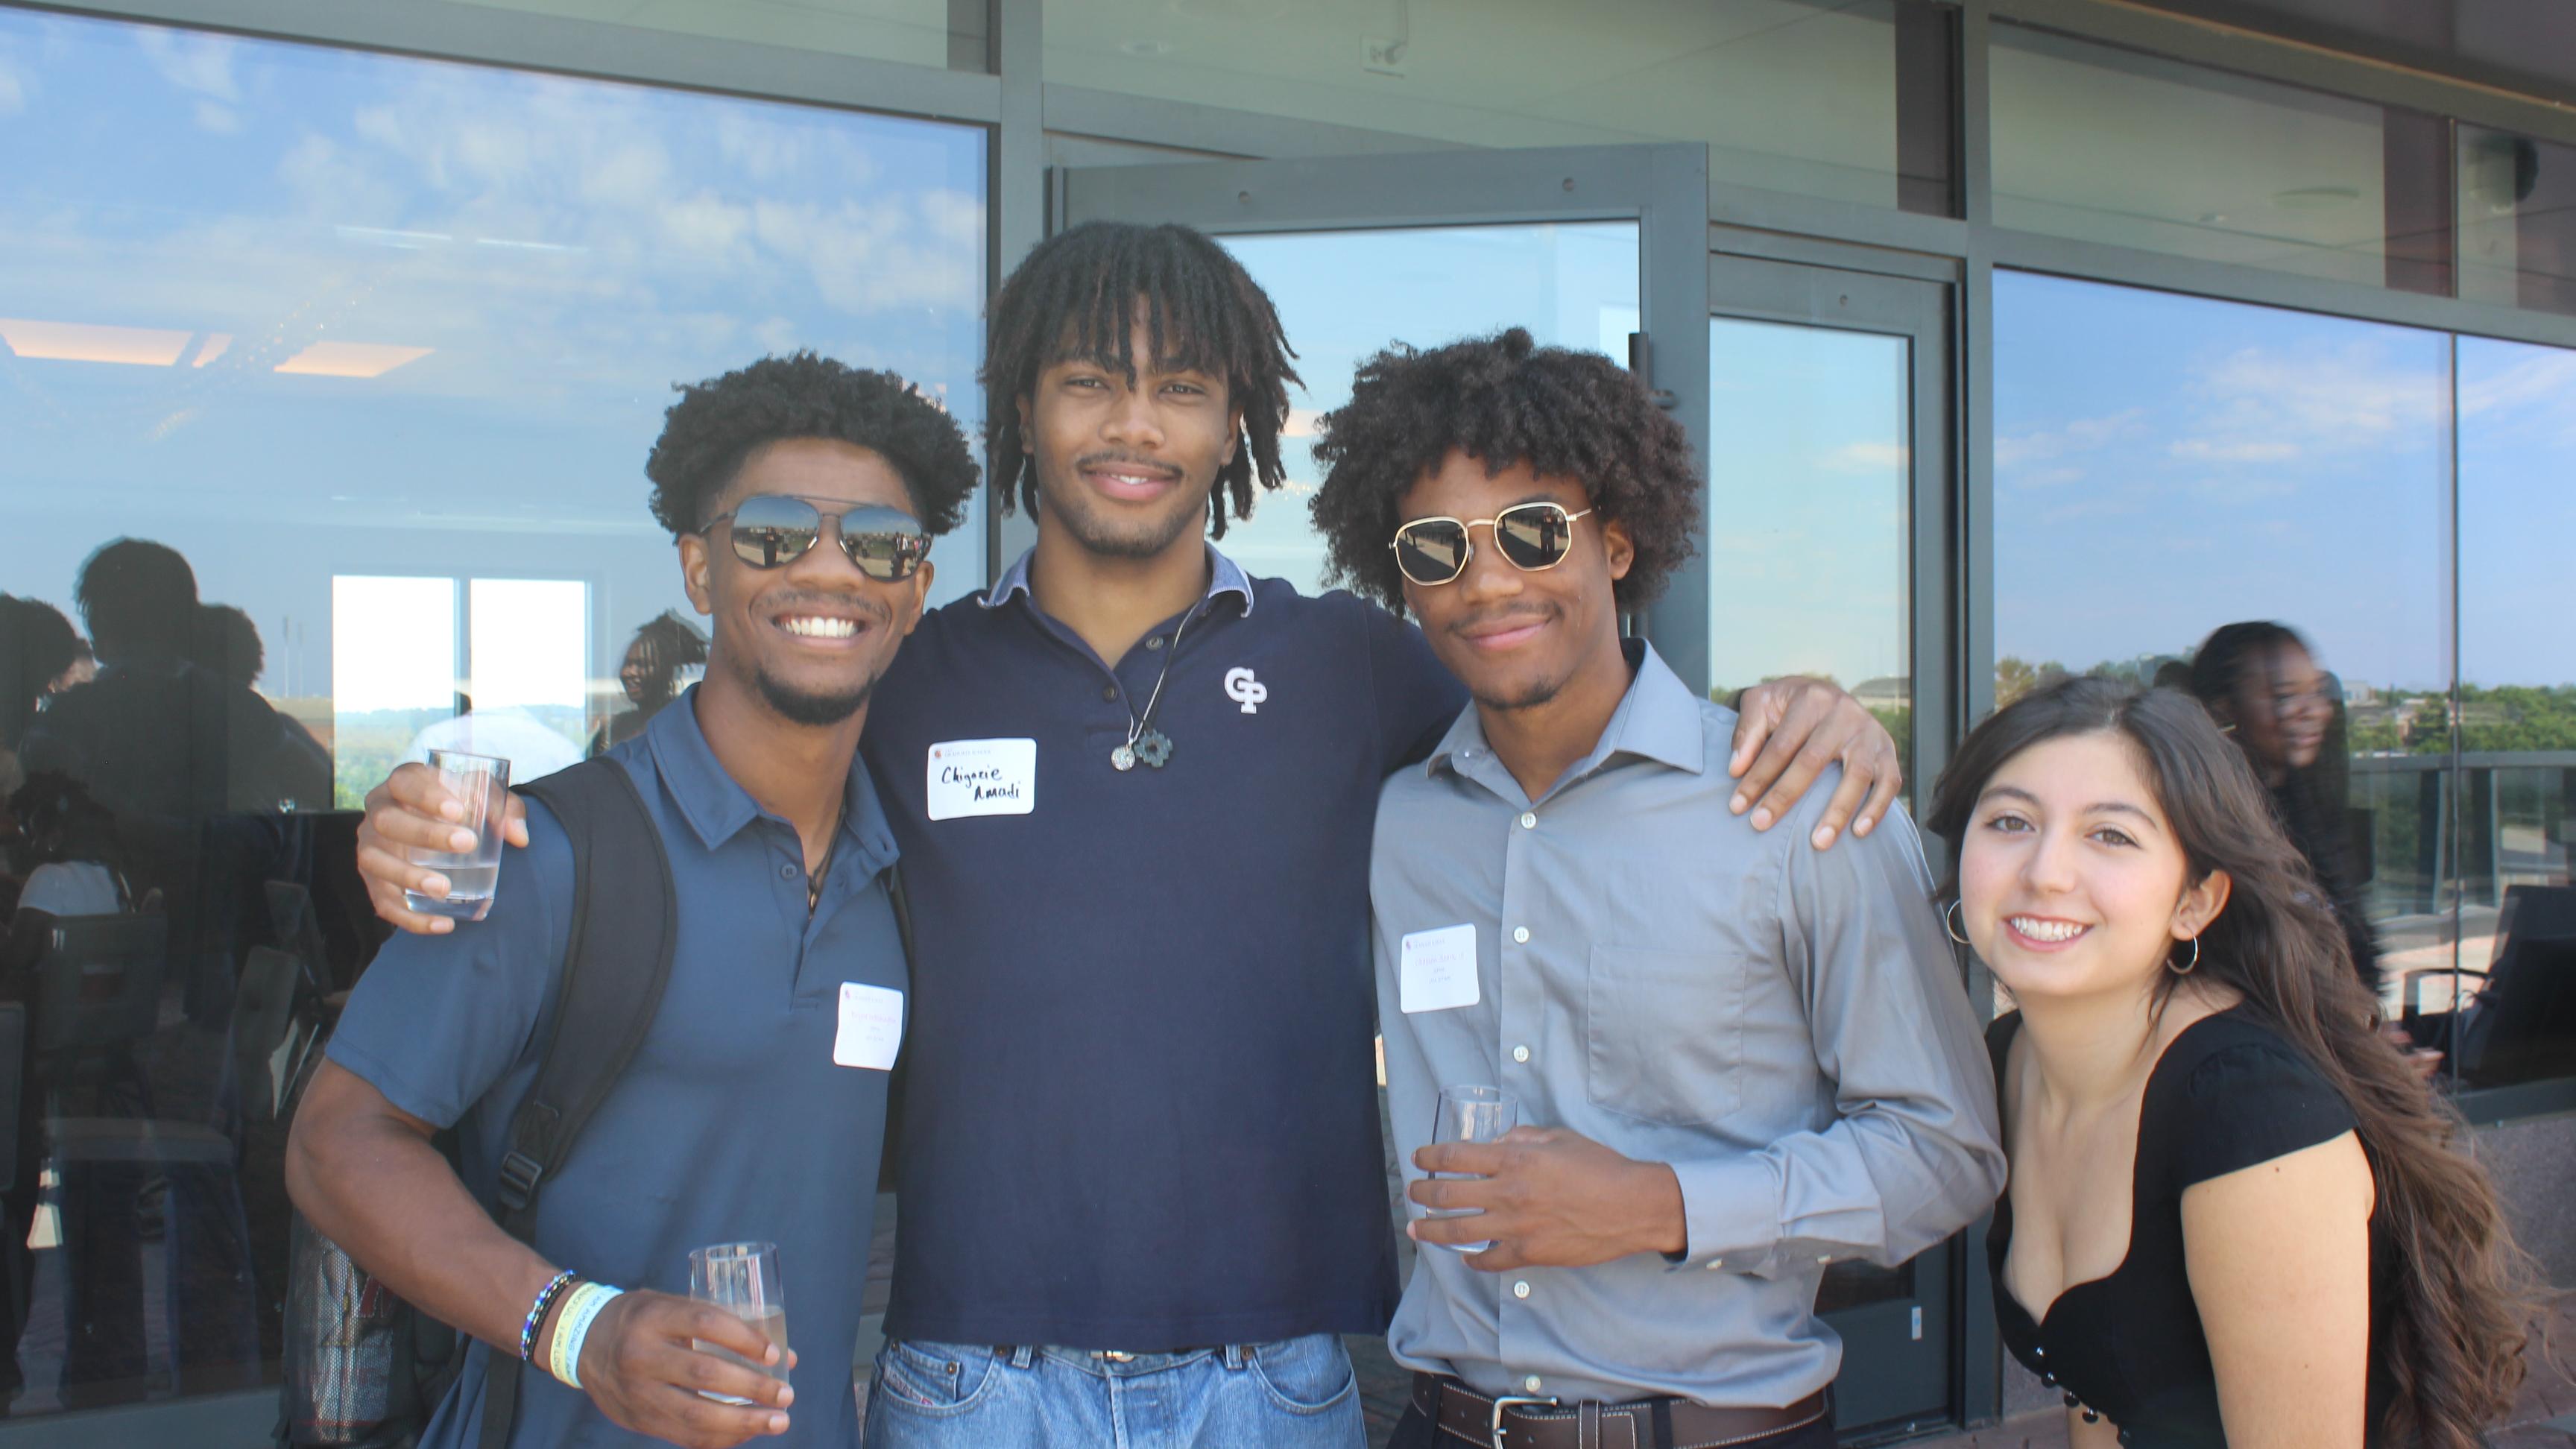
(1109,692)
(1520,934)
(1154,643)
(787,872)
(1529,821)
(1530,1385)
(1520,1290)
(1520,1054)
(1716,1263)
(1824,1258)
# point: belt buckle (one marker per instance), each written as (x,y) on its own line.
(1494,1425)
(1113,1355)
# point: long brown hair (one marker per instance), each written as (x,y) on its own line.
(2456,1330)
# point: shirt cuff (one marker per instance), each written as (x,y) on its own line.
(1731,1211)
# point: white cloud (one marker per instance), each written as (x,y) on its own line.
(220,119)
(2084,435)
(2537,389)
(2263,407)
(1864,458)
(13,91)
(192,61)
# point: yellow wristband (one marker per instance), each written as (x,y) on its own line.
(581,1308)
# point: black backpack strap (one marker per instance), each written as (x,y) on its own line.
(616,961)
(893,1138)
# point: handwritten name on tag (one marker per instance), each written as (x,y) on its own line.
(982,777)
(1436,970)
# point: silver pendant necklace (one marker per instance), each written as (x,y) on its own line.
(1145,744)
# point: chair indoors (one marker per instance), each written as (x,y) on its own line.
(2520,1026)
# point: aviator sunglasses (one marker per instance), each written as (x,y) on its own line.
(773,530)
(1532,537)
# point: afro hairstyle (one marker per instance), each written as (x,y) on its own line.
(1502,400)
(719,423)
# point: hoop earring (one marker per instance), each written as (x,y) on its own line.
(1949,915)
(2195,960)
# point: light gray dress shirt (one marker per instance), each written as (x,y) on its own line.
(1785,1026)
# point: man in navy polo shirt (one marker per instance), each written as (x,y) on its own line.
(753,1109)
(1141,1177)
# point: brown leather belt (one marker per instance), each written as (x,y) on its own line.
(1516,1422)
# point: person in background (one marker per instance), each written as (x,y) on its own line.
(666,650)
(2261,682)
(37,648)
(2234,1217)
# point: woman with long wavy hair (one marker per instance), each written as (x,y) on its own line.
(2235,1215)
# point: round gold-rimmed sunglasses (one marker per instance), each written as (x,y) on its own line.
(1532,537)
(773,530)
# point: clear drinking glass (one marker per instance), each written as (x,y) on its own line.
(1471,1114)
(742,1279)
(483,783)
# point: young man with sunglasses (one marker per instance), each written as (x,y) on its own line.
(802,496)
(1138,1159)
(1736,1058)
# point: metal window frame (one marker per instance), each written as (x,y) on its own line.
(1018,107)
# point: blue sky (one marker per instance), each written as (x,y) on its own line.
(2165,464)
(564,249)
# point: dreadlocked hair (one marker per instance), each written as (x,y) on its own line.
(1078,295)
(719,423)
(1502,400)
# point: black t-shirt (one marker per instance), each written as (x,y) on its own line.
(2227,1093)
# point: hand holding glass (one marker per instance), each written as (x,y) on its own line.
(482,783)
(1471,1114)
(742,1279)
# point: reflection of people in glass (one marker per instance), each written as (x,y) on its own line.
(194,767)
(2261,682)
(2237,1216)
(37,647)
(651,674)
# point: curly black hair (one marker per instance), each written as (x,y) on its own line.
(1505,400)
(1075,297)
(718,423)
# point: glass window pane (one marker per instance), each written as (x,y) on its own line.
(2517,711)
(1344,295)
(1850,101)
(2517,221)
(2166,464)
(2107,145)
(945,33)
(1808,489)
(372,348)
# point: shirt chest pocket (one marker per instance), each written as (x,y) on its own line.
(1662,1033)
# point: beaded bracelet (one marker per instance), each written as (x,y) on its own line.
(537,1314)
(581,1310)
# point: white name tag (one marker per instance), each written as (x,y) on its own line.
(1436,970)
(983,777)
(871,1027)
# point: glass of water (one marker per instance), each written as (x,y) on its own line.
(483,784)
(1471,1114)
(742,1279)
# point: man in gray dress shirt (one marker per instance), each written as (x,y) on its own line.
(1737,1057)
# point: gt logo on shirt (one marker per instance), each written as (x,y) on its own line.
(1245,690)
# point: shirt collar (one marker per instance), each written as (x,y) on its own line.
(717,808)
(1225,576)
(1659,719)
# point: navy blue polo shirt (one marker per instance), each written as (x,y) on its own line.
(730,1124)
(1140,1106)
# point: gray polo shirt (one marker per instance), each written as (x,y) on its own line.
(1783,1025)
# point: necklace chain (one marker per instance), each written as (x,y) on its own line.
(1157,746)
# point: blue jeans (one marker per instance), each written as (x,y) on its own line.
(1292,1394)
